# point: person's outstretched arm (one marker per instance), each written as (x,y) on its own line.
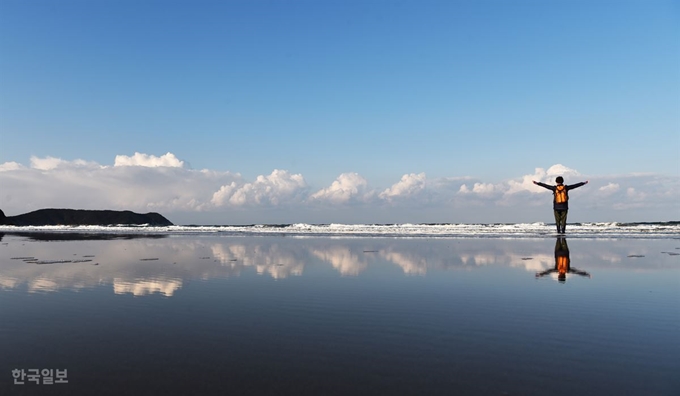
(579,272)
(577,185)
(544,185)
(546,272)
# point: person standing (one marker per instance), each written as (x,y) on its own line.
(560,200)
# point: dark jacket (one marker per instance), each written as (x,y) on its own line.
(563,205)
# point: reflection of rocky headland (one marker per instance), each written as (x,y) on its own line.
(81,236)
(45,217)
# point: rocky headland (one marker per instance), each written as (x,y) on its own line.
(75,217)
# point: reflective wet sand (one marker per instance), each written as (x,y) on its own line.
(279,315)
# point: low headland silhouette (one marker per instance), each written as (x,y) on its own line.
(74,217)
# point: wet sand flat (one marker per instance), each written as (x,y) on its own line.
(273,315)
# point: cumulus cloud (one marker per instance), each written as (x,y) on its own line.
(46,163)
(139,159)
(224,194)
(10,166)
(561,170)
(346,187)
(479,188)
(278,187)
(609,189)
(409,185)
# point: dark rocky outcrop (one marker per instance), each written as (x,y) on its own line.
(44,217)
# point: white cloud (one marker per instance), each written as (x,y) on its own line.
(222,196)
(278,187)
(10,166)
(634,194)
(50,163)
(610,188)
(409,185)
(46,163)
(561,170)
(139,159)
(346,187)
(479,188)
(526,183)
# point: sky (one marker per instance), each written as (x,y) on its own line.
(241,112)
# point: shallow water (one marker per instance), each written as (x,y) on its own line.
(259,315)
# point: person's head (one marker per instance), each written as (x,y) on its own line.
(562,277)
(559,180)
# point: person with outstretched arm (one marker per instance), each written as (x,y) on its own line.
(560,200)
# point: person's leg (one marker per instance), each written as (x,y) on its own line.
(557,220)
(563,221)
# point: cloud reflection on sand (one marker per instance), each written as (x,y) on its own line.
(144,287)
(273,260)
(345,261)
(410,262)
(163,266)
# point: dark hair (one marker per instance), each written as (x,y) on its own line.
(559,179)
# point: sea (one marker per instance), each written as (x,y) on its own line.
(499,230)
(340,309)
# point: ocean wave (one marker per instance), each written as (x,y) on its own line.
(460,230)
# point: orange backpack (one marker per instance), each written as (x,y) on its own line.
(562,264)
(561,194)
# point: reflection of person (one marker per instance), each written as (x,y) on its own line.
(560,200)
(562,262)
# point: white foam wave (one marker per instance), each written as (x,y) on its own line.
(518,230)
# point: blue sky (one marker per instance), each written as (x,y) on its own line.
(483,91)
